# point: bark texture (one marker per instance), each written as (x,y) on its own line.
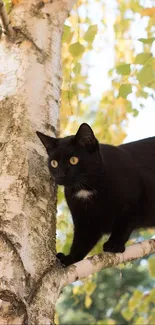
(30,81)
(95,263)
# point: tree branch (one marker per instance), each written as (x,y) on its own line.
(5,20)
(95,263)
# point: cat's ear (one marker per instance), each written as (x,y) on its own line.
(85,137)
(48,142)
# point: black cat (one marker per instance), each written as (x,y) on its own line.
(108,189)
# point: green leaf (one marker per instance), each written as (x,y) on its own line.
(140,321)
(90,33)
(143,94)
(62,224)
(128,106)
(67,34)
(76,49)
(127,314)
(8,5)
(123,69)
(122,301)
(125,90)
(152,317)
(66,247)
(145,75)
(147,40)
(151,261)
(77,68)
(152,85)
(152,295)
(135,300)
(106,321)
(141,58)
(66,94)
(74,88)
(110,72)
(135,112)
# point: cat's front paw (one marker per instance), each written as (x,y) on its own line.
(64,259)
(113,247)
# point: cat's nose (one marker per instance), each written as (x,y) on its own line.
(60,177)
(60,180)
(62,174)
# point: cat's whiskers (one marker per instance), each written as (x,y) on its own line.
(85,193)
(85,182)
(78,187)
(95,193)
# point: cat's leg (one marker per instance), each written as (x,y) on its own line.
(84,240)
(119,236)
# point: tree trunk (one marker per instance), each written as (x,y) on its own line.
(30,81)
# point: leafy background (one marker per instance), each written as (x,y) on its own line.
(106,98)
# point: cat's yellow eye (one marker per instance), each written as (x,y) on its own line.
(74,160)
(54,163)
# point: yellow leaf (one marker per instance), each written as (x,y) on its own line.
(148,12)
(151,261)
(76,290)
(90,287)
(56,318)
(88,301)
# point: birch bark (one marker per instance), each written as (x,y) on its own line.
(30,81)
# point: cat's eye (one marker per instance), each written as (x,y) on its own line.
(74,160)
(54,163)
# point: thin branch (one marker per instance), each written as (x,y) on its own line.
(5,20)
(95,263)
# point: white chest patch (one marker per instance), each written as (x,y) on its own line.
(84,194)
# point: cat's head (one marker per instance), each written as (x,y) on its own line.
(73,160)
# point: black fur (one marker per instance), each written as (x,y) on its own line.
(122,179)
